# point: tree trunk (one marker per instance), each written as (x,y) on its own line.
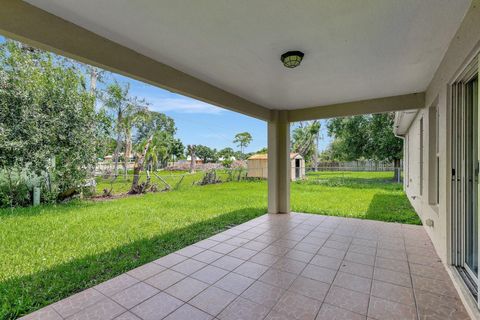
(315,153)
(128,153)
(93,80)
(138,168)
(192,159)
(116,154)
(397,170)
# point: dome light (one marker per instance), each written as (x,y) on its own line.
(292,59)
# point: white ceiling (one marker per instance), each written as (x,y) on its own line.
(354,49)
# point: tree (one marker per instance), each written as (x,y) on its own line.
(136,111)
(191,151)
(351,136)
(226,153)
(369,136)
(305,140)
(156,122)
(48,120)
(206,154)
(115,100)
(242,140)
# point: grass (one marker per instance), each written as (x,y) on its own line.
(50,252)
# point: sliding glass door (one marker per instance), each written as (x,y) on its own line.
(465,173)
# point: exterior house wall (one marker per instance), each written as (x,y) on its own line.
(462,49)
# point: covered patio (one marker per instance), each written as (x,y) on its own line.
(290,266)
(359,58)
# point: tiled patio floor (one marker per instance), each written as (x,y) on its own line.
(296,266)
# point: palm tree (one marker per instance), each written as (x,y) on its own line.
(135,112)
(243,139)
(115,99)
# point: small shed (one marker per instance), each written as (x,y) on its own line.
(258,166)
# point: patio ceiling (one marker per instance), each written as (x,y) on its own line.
(227,53)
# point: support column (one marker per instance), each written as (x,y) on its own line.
(279,163)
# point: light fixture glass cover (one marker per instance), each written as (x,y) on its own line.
(292,59)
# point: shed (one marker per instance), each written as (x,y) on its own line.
(258,166)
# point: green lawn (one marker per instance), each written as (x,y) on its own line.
(50,252)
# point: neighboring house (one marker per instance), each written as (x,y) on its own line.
(258,166)
(232,158)
(441,170)
(197,160)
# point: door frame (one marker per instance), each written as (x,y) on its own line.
(458,186)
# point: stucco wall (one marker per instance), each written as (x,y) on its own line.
(464,46)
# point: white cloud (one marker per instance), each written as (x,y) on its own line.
(182,105)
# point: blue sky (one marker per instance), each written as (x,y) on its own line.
(201,123)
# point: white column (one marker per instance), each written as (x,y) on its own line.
(279,163)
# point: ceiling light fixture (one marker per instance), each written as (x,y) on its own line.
(292,59)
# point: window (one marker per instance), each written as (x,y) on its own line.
(433,156)
(421,156)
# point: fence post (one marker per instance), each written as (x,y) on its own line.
(36,196)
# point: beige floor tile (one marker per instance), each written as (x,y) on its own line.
(207,256)
(392,292)
(297,306)
(440,287)
(47,313)
(436,307)
(251,269)
(157,307)
(266,259)
(390,264)
(319,273)
(276,250)
(278,278)
(213,300)
(299,255)
(308,247)
(190,251)
(127,316)
(360,258)
(209,274)
(146,271)
(188,266)
(134,295)
(187,312)
(223,248)
(289,265)
(357,269)
(243,309)
(105,309)
(165,279)
(330,312)
(263,293)
(170,260)
(347,299)
(112,286)
(353,282)
(326,262)
(255,245)
(206,244)
(383,309)
(399,278)
(234,283)
(243,253)
(186,289)
(77,302)
(228,263)
(310,288)
(371,251)
(330,252)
